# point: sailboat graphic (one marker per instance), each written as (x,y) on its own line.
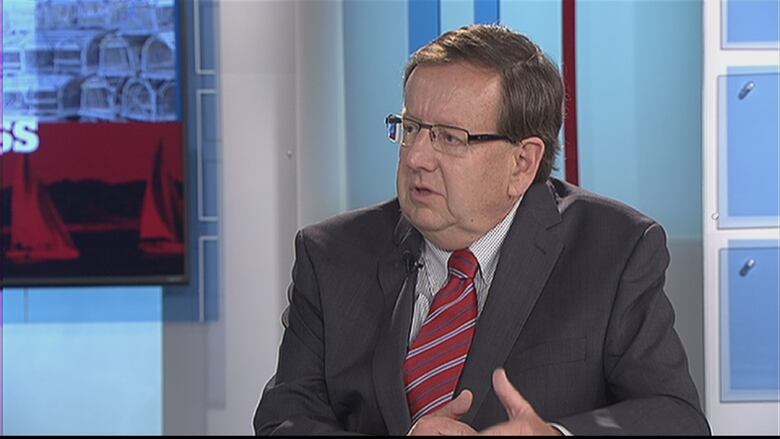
(37,231)
(160,231)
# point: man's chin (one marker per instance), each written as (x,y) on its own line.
(424,220)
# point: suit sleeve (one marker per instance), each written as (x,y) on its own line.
(295,400)
(644,361)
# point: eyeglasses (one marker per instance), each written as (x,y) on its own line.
(444,138)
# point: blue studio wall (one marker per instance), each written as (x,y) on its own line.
(639,89)
(91,360)
(82,361)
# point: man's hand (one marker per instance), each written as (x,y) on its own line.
(444,421)
(523,420)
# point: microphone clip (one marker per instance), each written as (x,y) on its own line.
(411,263)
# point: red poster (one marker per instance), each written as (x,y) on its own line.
(92,203)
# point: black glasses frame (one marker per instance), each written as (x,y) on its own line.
(393,119)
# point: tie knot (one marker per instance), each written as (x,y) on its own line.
(463,264)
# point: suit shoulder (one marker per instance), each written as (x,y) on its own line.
(370,226)
(581,203)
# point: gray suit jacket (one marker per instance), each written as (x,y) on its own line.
(576,314)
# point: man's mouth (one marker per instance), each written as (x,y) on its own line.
(422,191)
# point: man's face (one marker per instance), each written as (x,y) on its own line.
(453,200)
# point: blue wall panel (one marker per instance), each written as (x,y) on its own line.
(80,304)
(375,52)
(750,329)
(751,23)
(639,98)
(423,22)
(486,11)
(82,361)
(748,123)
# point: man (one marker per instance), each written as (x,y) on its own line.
(488,297)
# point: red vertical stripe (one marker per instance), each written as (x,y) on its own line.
(2,252)
(570,85)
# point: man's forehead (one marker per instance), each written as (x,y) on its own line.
(458,69)
(455,92)
(453,76)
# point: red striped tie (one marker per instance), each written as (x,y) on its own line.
(436,357)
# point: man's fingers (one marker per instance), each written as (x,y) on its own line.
(444,421)
(512,400)
(457,407)
(439,426)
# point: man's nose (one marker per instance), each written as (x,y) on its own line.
(421,154)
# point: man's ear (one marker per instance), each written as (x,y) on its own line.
(527,159)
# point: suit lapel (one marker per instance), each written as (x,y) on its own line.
(397,282)
(527,257)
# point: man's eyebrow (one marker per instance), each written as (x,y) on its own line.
(407,116)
